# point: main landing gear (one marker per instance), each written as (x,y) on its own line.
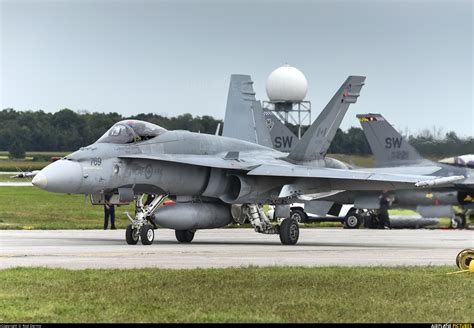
(288,229)
(142,227)
(289,232)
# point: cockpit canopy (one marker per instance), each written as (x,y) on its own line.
(129,131)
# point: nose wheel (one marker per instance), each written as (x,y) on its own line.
(147,234)
(131,235)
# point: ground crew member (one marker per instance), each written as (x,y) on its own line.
(385,201)
(109,210)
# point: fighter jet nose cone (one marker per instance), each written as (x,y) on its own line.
(63,176)
(40,181)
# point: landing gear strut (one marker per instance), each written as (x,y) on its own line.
(142,227)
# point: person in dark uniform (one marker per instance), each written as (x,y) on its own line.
(109,211)
(385,201)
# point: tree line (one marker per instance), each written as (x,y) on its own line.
(67,130)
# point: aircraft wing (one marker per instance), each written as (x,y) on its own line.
(230,161)
(317,178)
(312,178)
(328,173)
(416,170)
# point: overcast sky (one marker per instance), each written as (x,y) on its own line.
(173,57)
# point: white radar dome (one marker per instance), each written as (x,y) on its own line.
(287,84)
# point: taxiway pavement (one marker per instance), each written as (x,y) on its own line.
(220,248)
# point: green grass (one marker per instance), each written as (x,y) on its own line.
(33,208)
(34,160)
(39,153)
(401,211)
(361,161)
(24,165)
(375,294)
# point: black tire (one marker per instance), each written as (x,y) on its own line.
(289,232)
(353,220)
(184,236)
(147,235)
(456,223)
(299,215)
(131,235)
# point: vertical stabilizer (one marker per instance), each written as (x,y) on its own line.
(244,113)
(283,139)
(387,145)
(316,141)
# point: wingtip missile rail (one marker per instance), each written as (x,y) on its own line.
(439,181)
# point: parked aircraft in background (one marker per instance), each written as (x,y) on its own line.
(392,150)
(25,174)
(393,153)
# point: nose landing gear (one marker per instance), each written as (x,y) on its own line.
(142,227)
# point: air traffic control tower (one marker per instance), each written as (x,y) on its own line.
(286,89)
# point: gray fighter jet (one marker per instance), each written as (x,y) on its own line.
(25,174)
(214,180)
